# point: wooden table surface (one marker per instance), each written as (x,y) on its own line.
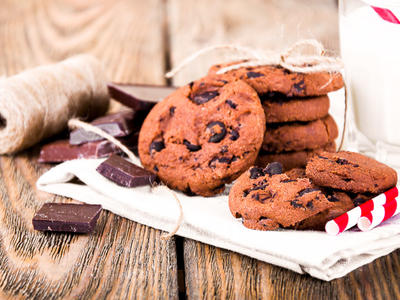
(138,41)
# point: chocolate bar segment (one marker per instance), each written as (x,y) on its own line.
(125,173)
(66,217)
(118,125)
(60,151)
(139,96)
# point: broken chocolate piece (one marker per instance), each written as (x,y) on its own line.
(66,217)
(273,168)
(139,96)
(60,151)
(125,173)
(118,125)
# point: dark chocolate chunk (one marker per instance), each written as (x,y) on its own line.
(342,161)
(296,204)
(125,173)
(172,110)
(66,217)
(60,151)
(234,135)
(300,86)
(191,147)
(140,97)
(204,97)
(256,172)
(218,131)
(118,125)
(223,160)
(157,146)
(310,204)
(273,168)
(306,191)
(254,75)
(262,197)
(231,103)
(287,180)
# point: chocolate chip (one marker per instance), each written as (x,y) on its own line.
(231,103)
(218,131)
(296,204)
(322,157)
(300,86)
(225,160)
(204,97)
(156,169)
(234,158)
(256,172)
(172,110)
(310,204)
(157,146)
(234,135)
(263,196)
(254,74)
(287,180)
(306,191)
(342,161)
(191,147)
(273,168)
(223,81)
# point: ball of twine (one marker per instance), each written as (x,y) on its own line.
(38,103)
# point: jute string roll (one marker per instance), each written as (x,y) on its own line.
(39,102)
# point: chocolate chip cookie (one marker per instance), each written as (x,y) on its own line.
(279,109)
(266,199)
(350,171)
(292,159)
(341,203)
(203,135)
(297,136)
(266,79)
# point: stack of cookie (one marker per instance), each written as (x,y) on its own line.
(296,109)
(297,128)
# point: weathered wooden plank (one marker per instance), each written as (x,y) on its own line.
(217,273)
(211,272)
(266,25)
(122,259)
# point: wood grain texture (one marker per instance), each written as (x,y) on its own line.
(269,24)
(217,273)
(211,272)
(122,259)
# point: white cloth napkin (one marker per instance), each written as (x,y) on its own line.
(209,220)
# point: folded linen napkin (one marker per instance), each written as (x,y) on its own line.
(208,220)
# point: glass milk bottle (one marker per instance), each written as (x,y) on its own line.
(370,48)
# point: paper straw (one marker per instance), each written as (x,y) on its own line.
(351,218)
(386,14)
(379,214)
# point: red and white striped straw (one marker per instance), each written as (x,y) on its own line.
(386,14)
(350,218)
(379,214)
